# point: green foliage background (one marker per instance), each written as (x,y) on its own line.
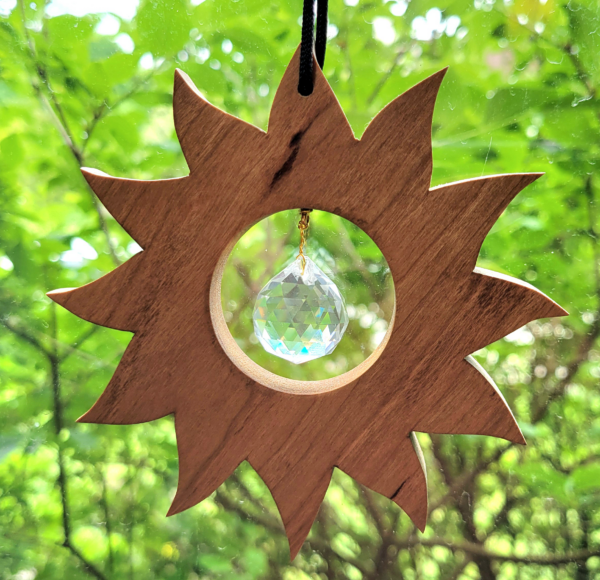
(521,94)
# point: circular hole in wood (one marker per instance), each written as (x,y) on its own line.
(347,256)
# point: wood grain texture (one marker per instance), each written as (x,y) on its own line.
(182,359)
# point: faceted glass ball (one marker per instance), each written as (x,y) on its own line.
(300,317)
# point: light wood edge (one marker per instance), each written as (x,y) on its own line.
(259,374)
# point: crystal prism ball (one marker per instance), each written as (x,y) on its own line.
(300,316)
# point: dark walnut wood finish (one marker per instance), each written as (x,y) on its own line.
(183,361)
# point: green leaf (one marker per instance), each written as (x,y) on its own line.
(587,478)
(162,26)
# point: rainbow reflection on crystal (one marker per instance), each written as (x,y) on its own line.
(300,317)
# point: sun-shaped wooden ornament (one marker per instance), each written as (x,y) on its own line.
(182,359)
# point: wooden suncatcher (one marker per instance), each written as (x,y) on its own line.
(182,359)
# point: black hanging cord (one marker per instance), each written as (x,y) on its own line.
(308,45)
(322,23)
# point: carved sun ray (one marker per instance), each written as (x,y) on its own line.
(422,378)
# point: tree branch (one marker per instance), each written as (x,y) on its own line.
(266,521)
(42,74)
(373,510)
(326,518)
(384,79)
(58,418)
(466,511)
(108,525)
(459,569)
(463,481)
(590,338)
(60,120)
(72,348)
(583,75)
(24,335)
(479,550)
(106,106)
(89,567)
(384,533)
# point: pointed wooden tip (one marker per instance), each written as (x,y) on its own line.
(293,68)
(468,402)
(528,178)
(412,494)
(209,137)
(183,82)
(299,513)
(513,434)
(518,438)
(89,417)
(557,310)
(437,77)
(295,547)
(116,300)
(298,493)
(97,180)
(292,113)
(92,173)
(508,428)
(135,393)
(98,414)
(184,500)
(110,410)
(427,89)
(175,508)
(181,76)
(60,296)
(510,183)
(499,305)
(414,106)
(401,129)
(543,306)
(419,518)
(412,498)
(469,205)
